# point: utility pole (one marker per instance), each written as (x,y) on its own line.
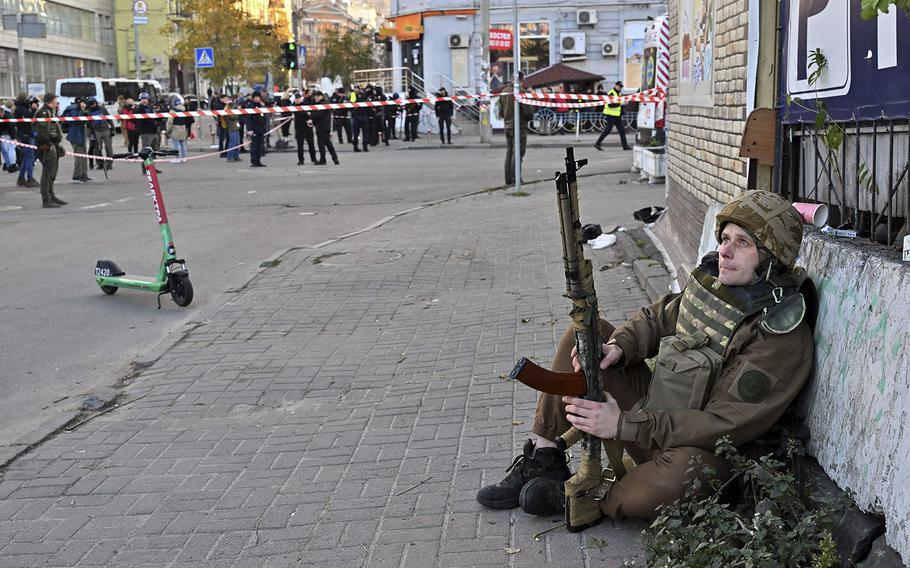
(516,109)
(23,82)
(486,129)
(136,50)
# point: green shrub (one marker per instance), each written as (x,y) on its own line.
(774,525)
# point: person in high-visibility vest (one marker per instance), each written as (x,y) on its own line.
(613,116)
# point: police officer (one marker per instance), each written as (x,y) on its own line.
(360,121)
(733,350)
(256,125)
(390,115)
(48,139)
(102,131)
(303,129)
(341,122)
(444,112)
(378,123)
(411,117)
(613,116)
(321,122)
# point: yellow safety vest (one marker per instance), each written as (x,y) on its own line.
(615,111)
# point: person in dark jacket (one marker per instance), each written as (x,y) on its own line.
(411,117)
(75,135)
(146,127)
(25,133)
(444,111)
(378,123)
(216,103)
(390,116)
(303,129)
(321,121)
(102,131)
(8,132)
(256,126)
(360,121)
(340,119)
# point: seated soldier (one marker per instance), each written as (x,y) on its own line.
(741,314)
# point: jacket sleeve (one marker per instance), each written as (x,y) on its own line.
(640,336)
(758,382)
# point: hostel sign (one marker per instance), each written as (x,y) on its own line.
(500,39)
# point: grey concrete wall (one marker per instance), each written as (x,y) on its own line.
(858,403)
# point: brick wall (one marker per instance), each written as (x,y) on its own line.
(703,157)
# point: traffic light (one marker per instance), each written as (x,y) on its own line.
(289,54)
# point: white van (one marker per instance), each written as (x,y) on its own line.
(105,91)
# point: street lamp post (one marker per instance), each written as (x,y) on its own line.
(516,110)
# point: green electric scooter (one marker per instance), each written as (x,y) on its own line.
(172,276)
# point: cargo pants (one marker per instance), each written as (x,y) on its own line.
(660,474)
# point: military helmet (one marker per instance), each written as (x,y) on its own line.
(770,219)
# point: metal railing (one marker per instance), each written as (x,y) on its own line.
(386,78)
(865,181)
(468,108)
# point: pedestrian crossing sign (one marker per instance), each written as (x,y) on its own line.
(205,57)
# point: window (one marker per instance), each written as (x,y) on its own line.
(535,52)
(78,90)
(70,22)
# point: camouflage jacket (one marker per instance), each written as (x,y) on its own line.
(778,365)
(48,132)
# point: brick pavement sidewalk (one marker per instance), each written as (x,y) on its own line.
(342,410)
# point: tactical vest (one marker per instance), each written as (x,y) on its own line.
(614,111)
(689,362)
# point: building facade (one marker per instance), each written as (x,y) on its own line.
(156,49)
(79,43)
(441,40)
(312,18)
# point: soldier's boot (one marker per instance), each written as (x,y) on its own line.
(550,463)
(57,200)
(543,496)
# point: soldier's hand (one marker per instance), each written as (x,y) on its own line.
(612,355)
(598,418)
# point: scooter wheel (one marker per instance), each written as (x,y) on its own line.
(109,290)
(181,290)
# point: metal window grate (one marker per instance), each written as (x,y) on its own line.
(865,182)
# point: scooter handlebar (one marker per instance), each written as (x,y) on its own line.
(154,153)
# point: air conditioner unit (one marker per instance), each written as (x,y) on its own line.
(586,17)
(459,41)
(609,48)
(572,43)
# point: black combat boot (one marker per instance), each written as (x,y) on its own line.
(543,497)
(550,463)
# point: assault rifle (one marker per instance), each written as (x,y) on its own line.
(590,484)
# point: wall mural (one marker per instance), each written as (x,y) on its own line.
(696,52)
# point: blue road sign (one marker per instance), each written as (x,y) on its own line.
(205,57)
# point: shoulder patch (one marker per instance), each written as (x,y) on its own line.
(752,385)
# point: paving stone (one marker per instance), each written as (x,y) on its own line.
(334,414)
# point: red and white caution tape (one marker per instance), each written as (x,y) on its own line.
(138,160)
(653,95)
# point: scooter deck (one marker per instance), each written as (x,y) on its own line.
(135,282)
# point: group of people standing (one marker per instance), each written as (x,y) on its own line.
(46,137)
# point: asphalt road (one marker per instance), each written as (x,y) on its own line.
(62,340)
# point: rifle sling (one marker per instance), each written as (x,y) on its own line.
(545,380)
